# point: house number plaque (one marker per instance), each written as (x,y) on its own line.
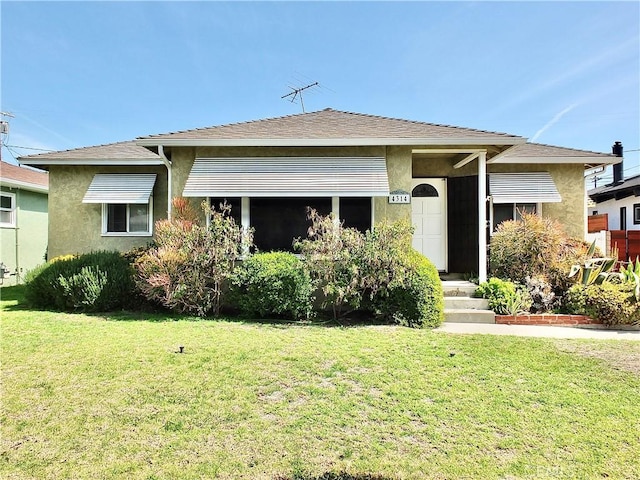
(399,196)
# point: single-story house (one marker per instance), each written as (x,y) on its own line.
(23,221)
(361,167)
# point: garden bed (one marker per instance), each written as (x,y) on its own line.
(546,319)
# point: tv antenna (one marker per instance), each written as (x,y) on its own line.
(297,92)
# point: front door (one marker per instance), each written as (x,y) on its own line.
(429,217)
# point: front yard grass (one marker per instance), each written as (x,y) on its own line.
(99,397)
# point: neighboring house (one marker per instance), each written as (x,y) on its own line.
(364,168)
(617,204)
(23,221)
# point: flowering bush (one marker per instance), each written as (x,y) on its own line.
(377,271)
(187,269)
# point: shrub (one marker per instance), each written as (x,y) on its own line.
(190,264)
(543,298)
(83,288)
(504,297)
(135,253)
(611,303)
(413,298)
(385,256)
(535,247)
(273,284)
(574,301)
(378,271)
(63,257)
(333,257)
(93,282)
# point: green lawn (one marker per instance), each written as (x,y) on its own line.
(93,397)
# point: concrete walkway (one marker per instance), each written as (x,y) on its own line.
(539,331)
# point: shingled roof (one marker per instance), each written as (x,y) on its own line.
(15,176)
(128,152)
(541,153)
(330,127)
(626,188)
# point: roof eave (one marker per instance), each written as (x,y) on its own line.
(592,162)
(32,187)
(326,142)
(91,161)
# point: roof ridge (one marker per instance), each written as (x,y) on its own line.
(328,109)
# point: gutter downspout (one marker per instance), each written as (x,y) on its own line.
(167,163)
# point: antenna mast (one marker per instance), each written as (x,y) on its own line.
(298,92)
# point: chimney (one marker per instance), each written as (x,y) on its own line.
(617,168)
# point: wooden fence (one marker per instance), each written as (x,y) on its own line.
(597,223)
(627,242)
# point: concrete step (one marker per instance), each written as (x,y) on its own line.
(467,303)
(458,288)
(466,315)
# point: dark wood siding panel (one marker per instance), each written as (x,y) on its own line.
(462,219)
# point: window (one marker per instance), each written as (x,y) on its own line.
(511,211)
(277,221)
(636,213)
(127,219)
(234,202)
(355,212)
(623,218)
(8,210)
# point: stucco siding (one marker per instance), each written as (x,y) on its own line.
(76,227)
(569,180)
(25,246)
(399,172)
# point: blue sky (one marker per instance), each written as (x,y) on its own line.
(76,74)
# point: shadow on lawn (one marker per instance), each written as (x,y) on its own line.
(153,313)
(12,294)
(335,476)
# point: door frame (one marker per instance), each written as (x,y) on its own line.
(415,181)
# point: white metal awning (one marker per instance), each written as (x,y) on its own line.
(288,177)
(120,188)
(530,187)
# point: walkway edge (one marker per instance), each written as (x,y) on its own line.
(538,331)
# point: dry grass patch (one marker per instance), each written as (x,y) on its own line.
(611,353)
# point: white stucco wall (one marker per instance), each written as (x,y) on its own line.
(612,208)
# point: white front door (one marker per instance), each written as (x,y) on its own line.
(429,217)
